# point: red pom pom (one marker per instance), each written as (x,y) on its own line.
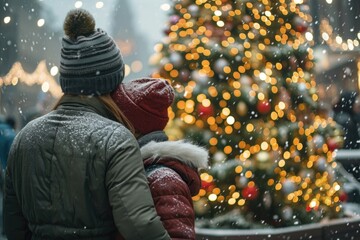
(264,107)
(250,193)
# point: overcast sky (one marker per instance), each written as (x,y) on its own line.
(149,18)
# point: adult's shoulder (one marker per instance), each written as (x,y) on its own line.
(120,136)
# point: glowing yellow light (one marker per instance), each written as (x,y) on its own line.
(189,119)
(249,127)
(329,1)
(40,22)
(313,203)
(282,105)
(54,70)
(127,70)
(338,40)
(212,197)
(238,169)
(165,7)
(261,96)
(218,13)
(241,202)
(78,4)
(264,145)
(262,76)
(202,192)
(309,36)
(227,150)
(99,5)
(226,96)
(216,191)
(45,87)
(220,23)
(248,174)
(226,111)
(7,19)
(325,36)
(246,154)
(232,201)
(206,103)
(230,120)
(281,163)
(236,195)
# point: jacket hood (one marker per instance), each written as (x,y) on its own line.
(185,152)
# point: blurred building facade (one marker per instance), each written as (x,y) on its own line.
(25,42)
(336,26)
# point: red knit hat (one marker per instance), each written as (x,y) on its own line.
(145,103)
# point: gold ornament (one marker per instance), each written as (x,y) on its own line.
(241,109)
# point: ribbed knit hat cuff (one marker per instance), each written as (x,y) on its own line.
(97,85)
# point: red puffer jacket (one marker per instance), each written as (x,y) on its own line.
(173,179)
(172,172)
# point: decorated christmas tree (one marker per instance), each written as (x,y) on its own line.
(242,71)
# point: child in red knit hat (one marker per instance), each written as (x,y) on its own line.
(171,166)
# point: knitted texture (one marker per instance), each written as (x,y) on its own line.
(145,103)
(90,64)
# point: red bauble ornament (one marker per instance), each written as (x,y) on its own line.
(264,107)
(300,24)
(301,28)
(250,193)
(207,186)
(205,112)
(343,197)
(332,144)
(308,208)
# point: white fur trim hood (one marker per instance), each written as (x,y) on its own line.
(185,152)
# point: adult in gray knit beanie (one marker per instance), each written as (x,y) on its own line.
(76,172)
(90,61)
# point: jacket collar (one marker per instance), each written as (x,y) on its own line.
(87,102)
(185,152)
(157,136)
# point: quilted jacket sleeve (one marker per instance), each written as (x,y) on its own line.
(129,193)
(173,203)
(15,224)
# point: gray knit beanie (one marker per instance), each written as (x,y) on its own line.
(91,63)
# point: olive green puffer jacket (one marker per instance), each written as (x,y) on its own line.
(75,174)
